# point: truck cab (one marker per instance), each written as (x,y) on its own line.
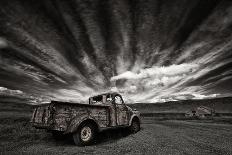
(120,112)
(84,121)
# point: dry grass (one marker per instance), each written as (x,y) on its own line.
(15,129)
(156,137)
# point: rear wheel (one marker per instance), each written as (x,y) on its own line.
(135,126)
(85,135)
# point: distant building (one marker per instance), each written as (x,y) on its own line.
(201,112)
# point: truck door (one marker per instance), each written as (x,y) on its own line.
(121,111)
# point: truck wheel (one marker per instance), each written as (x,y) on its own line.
(135,126)
(85,135)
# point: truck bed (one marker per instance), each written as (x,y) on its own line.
(60,115)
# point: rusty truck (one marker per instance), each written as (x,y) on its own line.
(85,121)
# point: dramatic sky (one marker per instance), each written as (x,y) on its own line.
(147,50)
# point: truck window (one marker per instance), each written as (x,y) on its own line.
(97,100)
(118,100)
(108,98)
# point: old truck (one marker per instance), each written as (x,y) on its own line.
(84,121)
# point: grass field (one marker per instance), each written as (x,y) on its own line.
(156,136)
(221,105)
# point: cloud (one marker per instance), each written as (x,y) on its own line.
(171,70)
(72,95)
(177,97)
(158,83)
(159,77)
(161,84)
(3,43)
(4,90)
(200,96)
(126,75)
(48,64)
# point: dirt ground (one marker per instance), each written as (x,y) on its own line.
(156,137)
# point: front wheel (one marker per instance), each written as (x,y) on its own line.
(135,126)
(85,135)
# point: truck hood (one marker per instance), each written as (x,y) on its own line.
(134,111)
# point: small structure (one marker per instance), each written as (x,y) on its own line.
(201,112)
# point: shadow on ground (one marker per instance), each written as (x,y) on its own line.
(104,137)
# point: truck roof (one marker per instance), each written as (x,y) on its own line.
(77,104)
(111,93)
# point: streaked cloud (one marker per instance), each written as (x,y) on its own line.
(83,50)
(4,90)
(169,71)
(3,43)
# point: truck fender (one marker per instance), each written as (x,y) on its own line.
(75,123)
(132,117)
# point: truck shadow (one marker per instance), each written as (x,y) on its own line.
(104,137)
(110,136)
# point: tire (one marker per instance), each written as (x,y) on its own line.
(135,126)
(85,135)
